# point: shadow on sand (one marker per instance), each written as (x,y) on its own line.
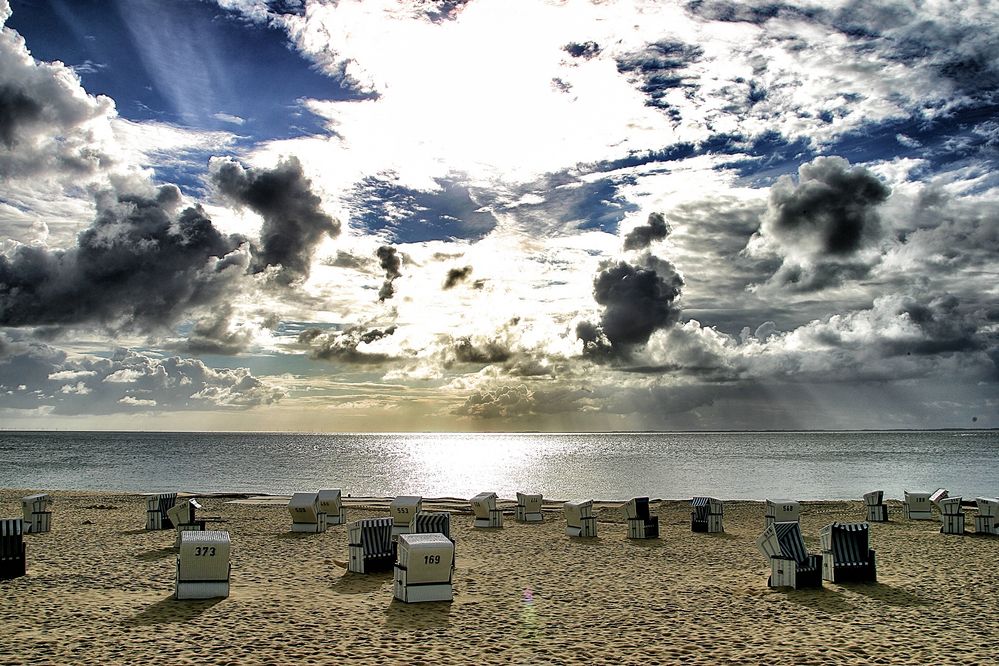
(156,554)
(355,583)
(893,596)
(169,611)
(822,599)
(401,616)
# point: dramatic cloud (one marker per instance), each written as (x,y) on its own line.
(349,346)
(644,235)
(456,275)
(390,261)
(216,333)
(139,266)
(294,221)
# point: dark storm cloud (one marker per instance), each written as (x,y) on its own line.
(16,110)
(294,221)
(659,68)
(456,275)
(139,266)
(390,261)
(215,334)
(342,345)
(585,50)
(638,300)
(644,235)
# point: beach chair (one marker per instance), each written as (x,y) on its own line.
(916,506)
(641,523)
(790,563)
(579,518)
(37,512)
(987,520)
(369,545)
(423,568)
(529,508)
(430,522)
(12,548)
(402,509)
(781,511)
(203,567)
(877,510)
(706,515)
(305,513)
(846,553)
(951,515)
(157,505)
(331,503)
(183,515)
(486,513)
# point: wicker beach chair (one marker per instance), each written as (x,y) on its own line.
(641,523)
(369,545)
(37,512)
(203,567)
(706,515)
(12,548)
(781,511)
(486,513)
(987,520)
(529,508)
(157,505)
(579,518)
(877,510)
(423,568)
(790,563)
(331,503)
(430,522)
(183,515)
(846,553)
(402,509)
(951,515)
(916,506)
(305,513)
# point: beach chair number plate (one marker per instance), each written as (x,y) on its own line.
(431,559)
(299,509)
(403,509)
(204,551)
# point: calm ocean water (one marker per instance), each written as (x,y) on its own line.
(797,465)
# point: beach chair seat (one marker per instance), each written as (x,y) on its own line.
(402,509)
(203,567)
(579,518)
(641,523)
(305,513)
(706,515)
(37,512)
(12,548)
(877,510)
(157,505)
(917,506)
(423,568)
(951,515)
(846,553)
(331,503)
(987,520)
(781,511)
(529,508)
(183,515)
(486,513)
(790,563)
(369,545)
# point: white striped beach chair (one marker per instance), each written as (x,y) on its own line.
(402,509)
(877,510)
(781,511)
(529,508)
(331,503)
(183,515)
(486,513)
(579,518)
(305,513)
(423,568)
(37,512)
(706,515)
(369,545)
(846,553)
(790,563)
(12,548)
(203,567)
(951,515)
(641,523)
(157,505)
(916,506)
(429,522)
(987,520)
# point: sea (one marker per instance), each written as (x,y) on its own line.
(562,466)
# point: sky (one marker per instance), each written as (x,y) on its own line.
(418,215)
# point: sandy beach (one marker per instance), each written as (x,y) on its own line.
(99,590)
